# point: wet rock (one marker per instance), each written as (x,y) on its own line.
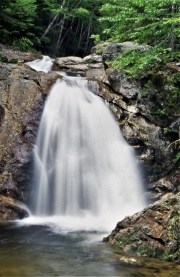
(11,209)
(73,64)
(153,232)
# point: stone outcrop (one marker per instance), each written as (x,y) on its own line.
(8,55)
(153,232)
(22,95)
(90,66)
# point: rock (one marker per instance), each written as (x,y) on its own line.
(68,61)
(11,209)
(110,51)
(93,58)
(164,188)
(153,232)
(22,96)
(10,190)
(95,73)
(121,84)
(175,126)
(13,56)
(144,135)
(74,64)
(99,48)
(90,66)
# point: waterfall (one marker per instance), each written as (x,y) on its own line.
(84,171)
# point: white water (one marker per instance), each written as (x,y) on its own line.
(86,176)
(44,65)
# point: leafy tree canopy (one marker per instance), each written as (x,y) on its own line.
(152,22)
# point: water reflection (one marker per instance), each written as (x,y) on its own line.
(37,251)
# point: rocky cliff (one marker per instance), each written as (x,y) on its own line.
(22,95)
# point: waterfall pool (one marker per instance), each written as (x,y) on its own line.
(34,250)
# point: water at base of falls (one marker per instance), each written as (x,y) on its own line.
(86,176)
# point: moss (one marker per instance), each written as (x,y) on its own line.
(118,244)
(169,257)
(147,251)
(127,239)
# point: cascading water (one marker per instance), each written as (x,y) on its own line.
(85,173)
(42,65)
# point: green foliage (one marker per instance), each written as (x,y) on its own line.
(169,257)
(154,23)
(17,18)
(136,61)
(73,22)
(148,22)
(177,158)
(2,58)
(61,27)
(96,38)
(166,130)
(22,44)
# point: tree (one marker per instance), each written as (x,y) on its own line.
(16,22)
(70,26)
(152,22)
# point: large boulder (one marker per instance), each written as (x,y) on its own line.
(111,50)
(153,232)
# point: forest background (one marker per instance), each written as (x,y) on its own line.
(69,27)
